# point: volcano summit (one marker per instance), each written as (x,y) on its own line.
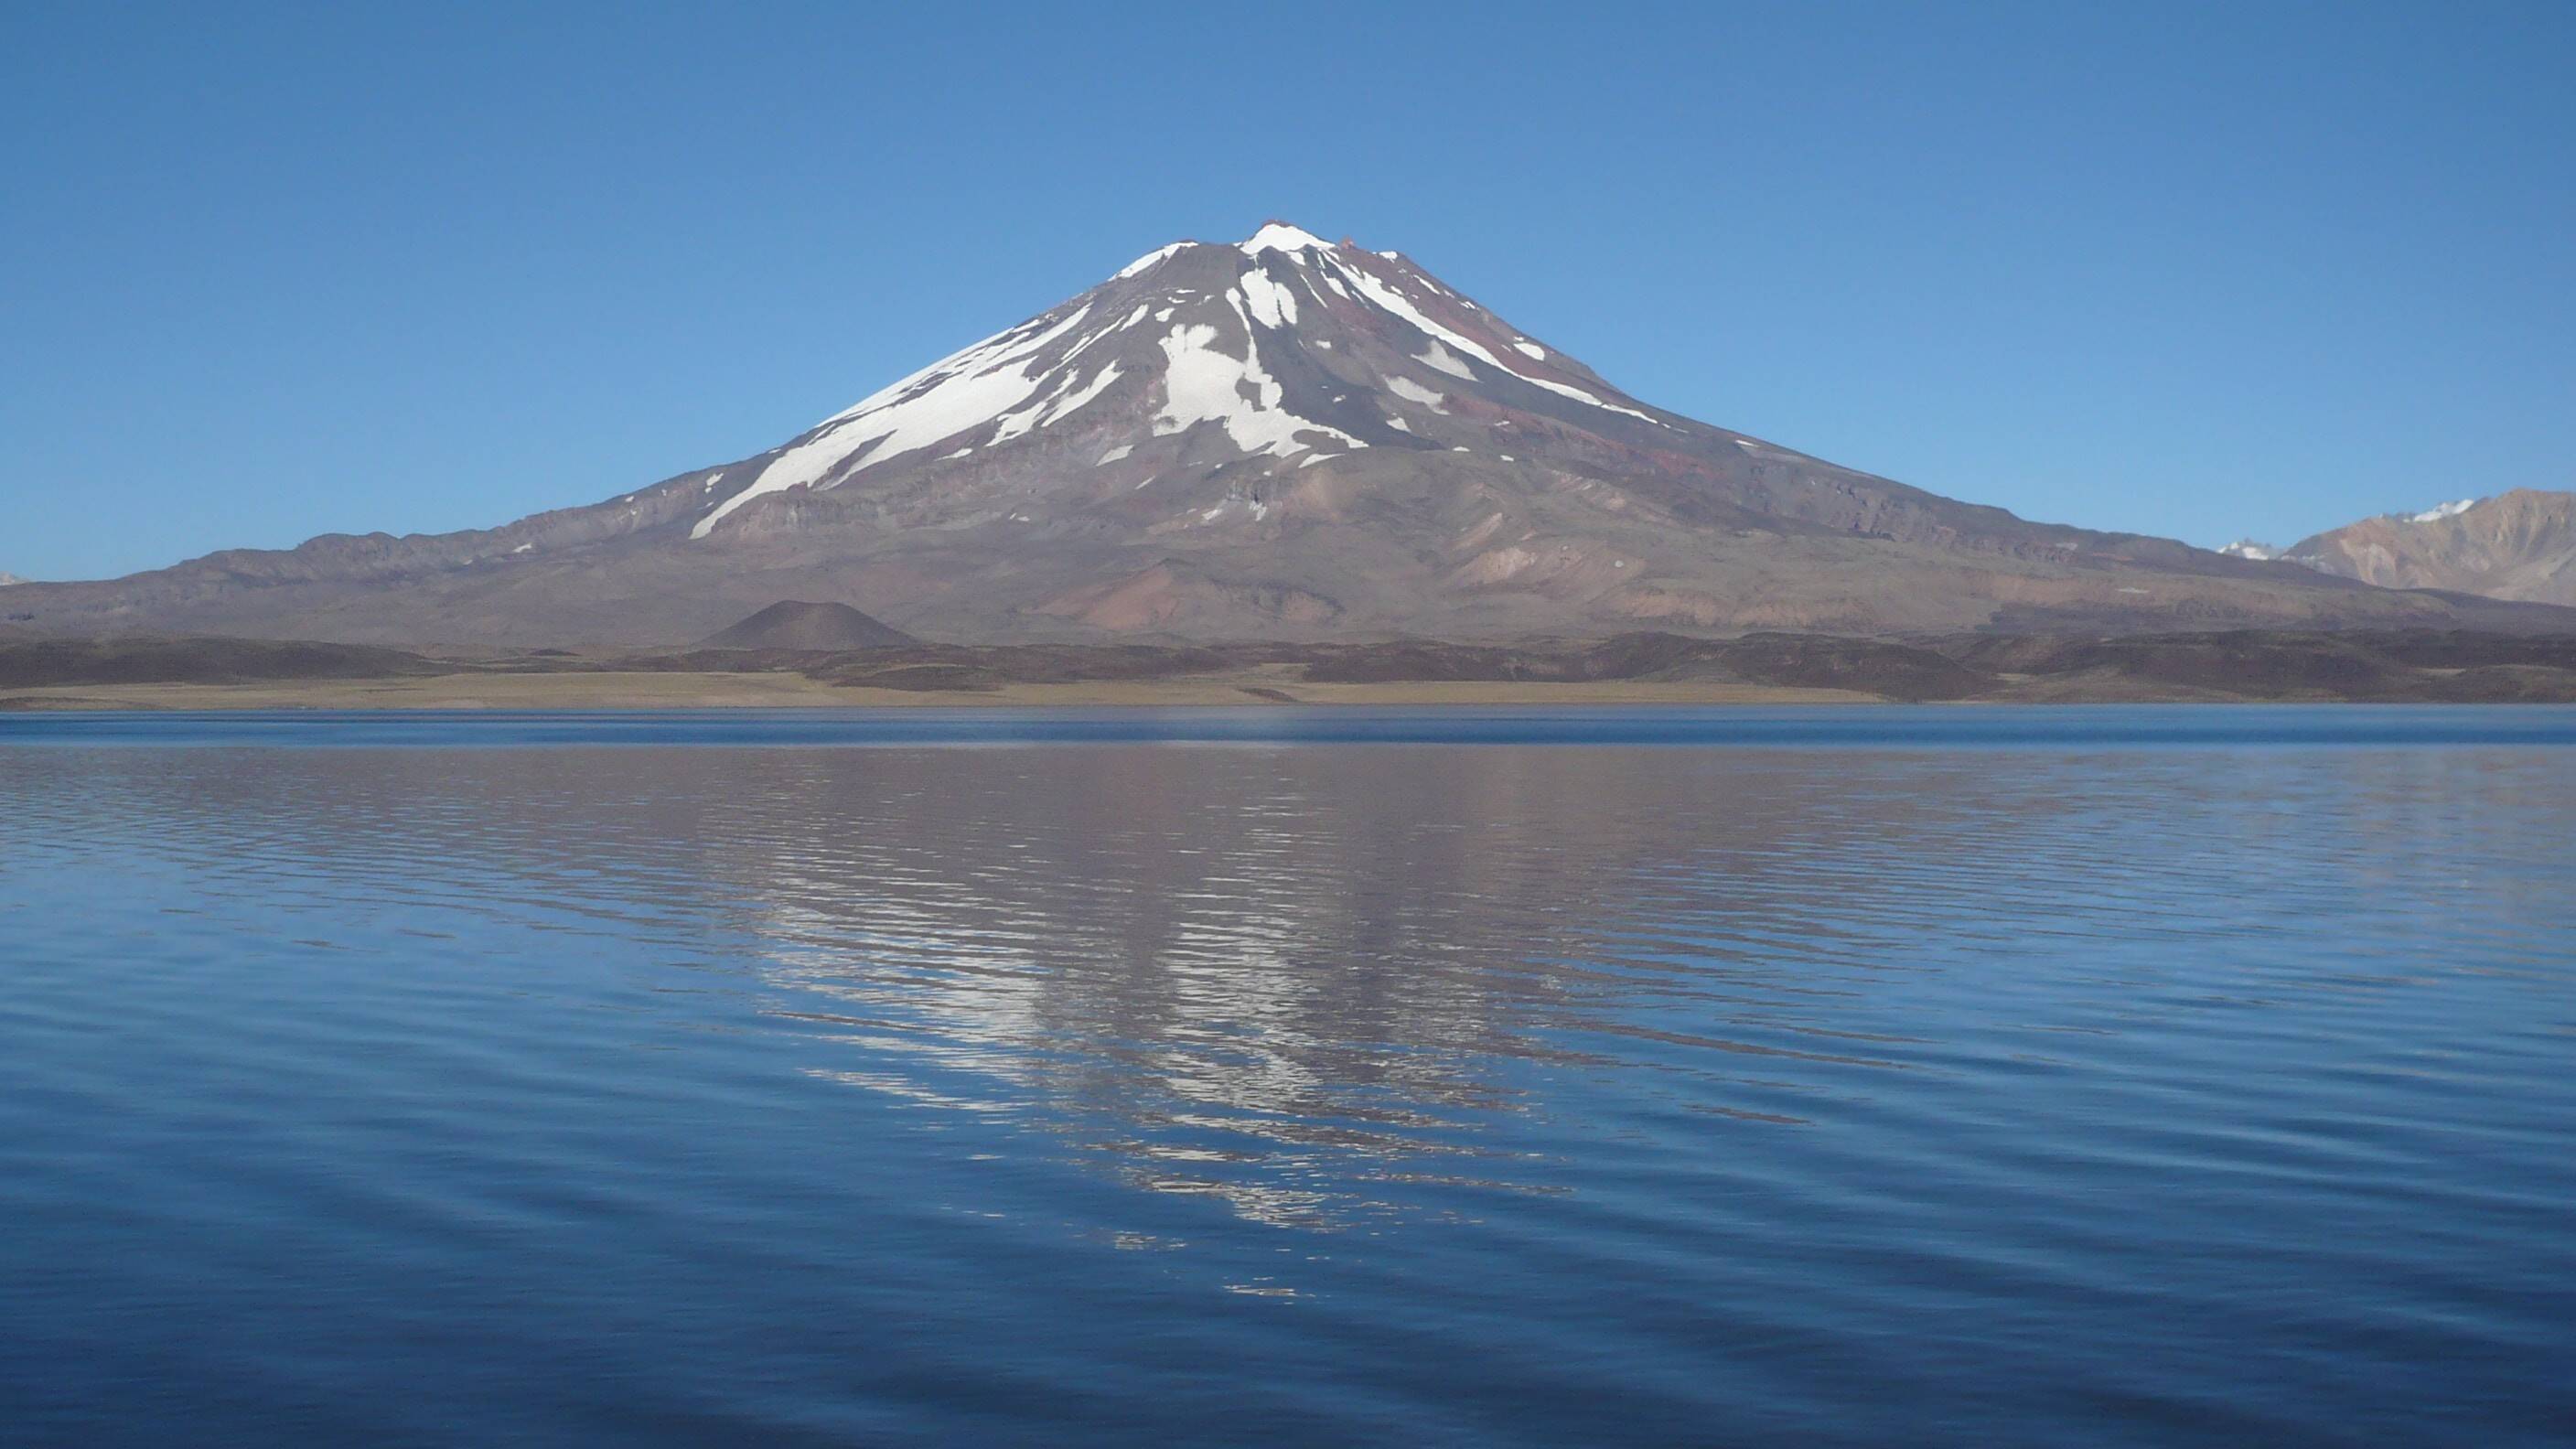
(1277,438)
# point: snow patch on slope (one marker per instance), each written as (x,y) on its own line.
(1414,392)
(1272,304)
(1147,261)
(1396,302)
(1279,236)
(964,390)
(1054,405)
(1078,396)
(1441,359)
(1202,384)
(2441,511)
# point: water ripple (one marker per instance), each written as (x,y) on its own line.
(2071,1086)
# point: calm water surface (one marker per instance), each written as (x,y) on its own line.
(1876,1076)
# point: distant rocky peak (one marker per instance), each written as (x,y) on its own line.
(2519,544)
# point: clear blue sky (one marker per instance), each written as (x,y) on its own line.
(272,271)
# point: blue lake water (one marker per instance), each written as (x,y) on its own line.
(1862,1076)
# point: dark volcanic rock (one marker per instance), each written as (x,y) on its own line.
(1424,660)
(2385,666)
(2361,666)
(44,662)
(1800,661)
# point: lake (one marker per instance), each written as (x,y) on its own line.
(1928,1076)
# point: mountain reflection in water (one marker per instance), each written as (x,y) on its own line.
(1282,984)
(1602,1091)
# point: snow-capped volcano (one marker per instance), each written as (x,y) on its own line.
(1273,438)
(1280,351)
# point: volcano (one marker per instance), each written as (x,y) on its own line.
(1278,438)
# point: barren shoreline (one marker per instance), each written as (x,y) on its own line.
(660,690)
(2425,667)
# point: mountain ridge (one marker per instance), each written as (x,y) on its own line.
(2518,545)
(1279,437)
